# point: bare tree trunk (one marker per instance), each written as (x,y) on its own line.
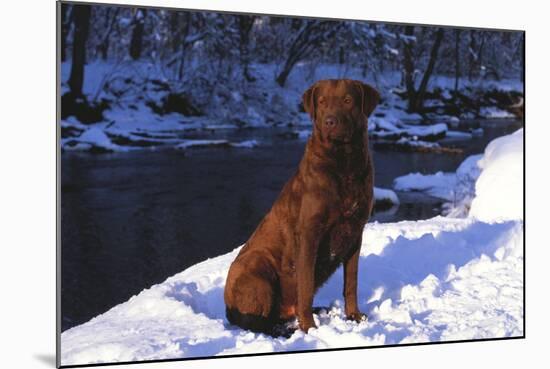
(416,96)
(103,47)
(136,42)
(282,77)
(457,59)
(183,33)
(81,16)
(245,26)
(480,50)
(66,19)
(419,102)
(175,38)
(471,56)
(408,66)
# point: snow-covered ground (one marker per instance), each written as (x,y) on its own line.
(445,278)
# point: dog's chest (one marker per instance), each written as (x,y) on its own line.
(351,218)
(342,237)
(354,198)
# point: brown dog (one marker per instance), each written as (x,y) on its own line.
(317,221)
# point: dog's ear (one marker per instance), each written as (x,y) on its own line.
(369,98)
(308,101)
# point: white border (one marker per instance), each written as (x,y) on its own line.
(27,151)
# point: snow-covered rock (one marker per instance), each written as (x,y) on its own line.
(386,195)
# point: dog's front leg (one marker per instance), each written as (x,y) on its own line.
(350,285)
(310,226)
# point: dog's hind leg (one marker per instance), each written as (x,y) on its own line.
(250,295)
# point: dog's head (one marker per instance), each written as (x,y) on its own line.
(340,108)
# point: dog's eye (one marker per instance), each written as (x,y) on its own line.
(347,100)
(322,101)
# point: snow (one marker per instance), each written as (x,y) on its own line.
(432,130)
(91,138)
(459,135)
(389,128)
(416,143)
(303,134)
(494,112)
(383,194)
(438,185)
(194,143)
(248,144)
(456,188)
(186,144)
(432,280)
(502,169)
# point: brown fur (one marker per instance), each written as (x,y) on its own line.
(316,223)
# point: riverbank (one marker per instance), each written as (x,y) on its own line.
(136,108)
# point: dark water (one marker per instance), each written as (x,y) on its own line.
(130,220)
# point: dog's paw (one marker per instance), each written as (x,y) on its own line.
(357,316)
(306,324)
(285,329)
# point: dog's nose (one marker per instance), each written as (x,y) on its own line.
(331,121)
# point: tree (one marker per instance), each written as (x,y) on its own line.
(310,36)
(457,59)
(136,41)
(103,46)
(186,29)
(472,55)
(66,19)
(245,26)
(81,18)
(416,96)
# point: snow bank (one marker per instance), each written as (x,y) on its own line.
(248,144)
(459,135)
(432,130)
(393,129)
(499,189)
(93,138)
(438,185)
(492,112)
(104,137)
(419,281)
(188,143)
(447,186)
